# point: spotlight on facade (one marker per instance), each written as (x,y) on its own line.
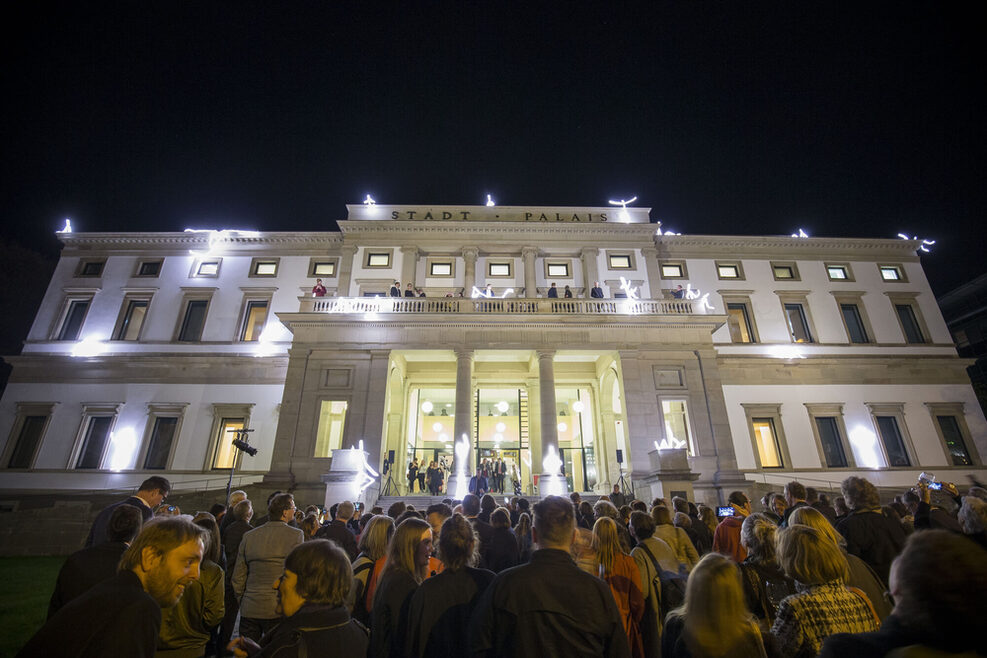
(88,346)
(123,445)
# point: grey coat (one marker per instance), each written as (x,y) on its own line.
(259,562)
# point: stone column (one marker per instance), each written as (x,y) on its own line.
(346,254)
(462,421)
(469,271)
(409,265)
(550,481)
(650,255)
(528,255)
(589,255)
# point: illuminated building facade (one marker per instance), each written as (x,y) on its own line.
(784,357)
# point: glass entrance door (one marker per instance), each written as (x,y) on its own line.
(501,439)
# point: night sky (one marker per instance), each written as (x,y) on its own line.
(861,119)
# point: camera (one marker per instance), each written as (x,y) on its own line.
(725,511)
(246,447)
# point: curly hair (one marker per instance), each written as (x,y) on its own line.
(859,494)
(757,535)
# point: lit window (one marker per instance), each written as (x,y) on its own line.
(909,323)
(91,268)
(194,320)
(739,322)
(837,272)
(94,442)
(894,444)
(891,273)
(377,259)
(332,419)
(265,268)
(498,269)
(728,271)
(558,270)
(676,417)
(620,262)
(207,268)
(28,438)
(766,440)
(829,436)
(75,315)
(149,268)
(854,323)
(225,450)
(162,437)
(327,268)
(953,437)
(254,319)
(783,271)
(798,325)
(672,271)
(133,319)
(440,269)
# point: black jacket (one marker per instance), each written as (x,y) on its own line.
(389,617)
(83,570)
(895,633)
(502,550)
(874,538)
(440,610)
(97,533)
(322,631)
(340,533)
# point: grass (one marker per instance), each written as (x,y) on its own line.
(27,586)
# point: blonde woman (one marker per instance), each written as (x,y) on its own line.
(405,569)
(369,564)
(714,621)
(621,573)
(823,605)
(674,537)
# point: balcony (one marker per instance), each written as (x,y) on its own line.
(510,306)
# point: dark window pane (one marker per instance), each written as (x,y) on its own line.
(160,446)
(854,323)
(797,324)
(150,268)
(913,334)
(893,443)
(133,320)
(27,441)
(195,318)
(73,320)
(954,441)
(92,268)
(92,447)
(829,436)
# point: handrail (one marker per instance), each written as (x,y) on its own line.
(179,486)
(508,306)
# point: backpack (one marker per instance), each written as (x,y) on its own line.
(669,585)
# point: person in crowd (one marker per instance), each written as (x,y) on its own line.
(842,511)
(767,507)
(869,534)
(779,506)
(241,513)
(523,533)
(859,575)
(396,509)
(122,616)
(904,516)
(90,566)
(726,539)
(596,292)
(973,519)
(938,583)
(685,552)
(405,569)
(258,563)
(338,529)
(369,564)
(795,497)
(548,602)
(440,609)
(765,583)
(701,534)
(152,492)
(821,503)
(567,293)
(311,593)
(412,475)
(823,605)
(621,573)
(652,556)
(487,505)
(229,518)
(503,551)
(708,517)
(604,508)
(264,519)
(318,290)
(617,498)
(713,621)
(585,518)
(929,512)
(187,626)
(310,527)
(436,516)
(395,290)
(471,510)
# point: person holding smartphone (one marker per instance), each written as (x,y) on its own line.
(726,539)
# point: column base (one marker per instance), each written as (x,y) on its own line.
(552,485)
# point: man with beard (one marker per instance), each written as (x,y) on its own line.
(122,616)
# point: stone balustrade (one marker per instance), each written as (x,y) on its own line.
(505,306)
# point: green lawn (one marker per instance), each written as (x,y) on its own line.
(27,585)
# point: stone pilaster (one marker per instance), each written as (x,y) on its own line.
(409,265)
(650,255)
(346,254)
(528,256)
(588,255)
(469,270)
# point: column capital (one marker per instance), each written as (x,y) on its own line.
(528,251)
(464,353)
(470,253)
(409,250)
(545,354)
(348,249)
(589,251)
(649,251)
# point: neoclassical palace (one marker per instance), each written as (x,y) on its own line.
(701,364)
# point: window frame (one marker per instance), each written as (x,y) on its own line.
(773,412)
(740,297)
(315,262)
(895,410)
(156,410)
(692,444)
(25,410)
(817,410)
(500,262)
(221,412)
(855,298)
(897,267)
(736,264)
(956,411)
(318,421)
(129,298)
(847,270)
(252,296)
(909,299)
(72,297)
(549,263)
(791,265)
(197,264)
(681,264)
(432,261)
(800,297)
(89,412)
(369,253)
(256,263)
(84,263)
(141,262)
(629,255)
(191,295)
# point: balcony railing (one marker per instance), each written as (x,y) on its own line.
(505,306)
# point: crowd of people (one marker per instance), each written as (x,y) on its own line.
(562,576)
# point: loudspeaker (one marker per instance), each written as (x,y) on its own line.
(620,456)
(390,456)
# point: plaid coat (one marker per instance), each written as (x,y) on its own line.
(807,618)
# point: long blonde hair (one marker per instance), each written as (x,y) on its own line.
(715,615)
(404,544)
(606,542)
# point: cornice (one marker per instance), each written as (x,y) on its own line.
(734,246)
(397,229)
(290,241)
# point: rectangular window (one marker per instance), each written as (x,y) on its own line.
(332,420)
(225,450)
(784,272)
(159,448)
(894,444)
(620,262)
(264,267)
(254,319)
(892,273)
(728,271)
(207,268)
(149,268)
(91,268)
(832,443)
(675,414)
(27,441)
(378,259)
(323,268)
(498,269)
(133,319)
(854,323)
(837,272)
(557,270)
(739,322)
(798,326)
(953,438)
(440,269)
(94,443)
(909,323)
(74,317)
(672,271)
(766,439)
(195,320)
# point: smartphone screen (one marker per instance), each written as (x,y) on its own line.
(725,511)
(935,486)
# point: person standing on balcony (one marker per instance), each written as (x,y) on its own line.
(596,292)
(553,292)
(568,293)
(396,289)
(409,291)
(318,290)
(678,293)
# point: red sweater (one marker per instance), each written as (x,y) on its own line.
(726,539)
